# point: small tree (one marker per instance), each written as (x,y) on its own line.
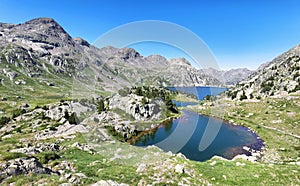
(124,92)
(210,98)
(100,106)
(4,120)
(251,96)
(144,101)
(243,96)
(73,119)
(18,112)
(139,91)
(67,116)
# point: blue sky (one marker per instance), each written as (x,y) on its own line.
(239,33)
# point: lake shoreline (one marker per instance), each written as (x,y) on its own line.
(251,158)
(251,152)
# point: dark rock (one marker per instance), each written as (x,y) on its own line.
(50,84)
(23,166)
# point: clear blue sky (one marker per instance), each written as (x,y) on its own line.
(240,33)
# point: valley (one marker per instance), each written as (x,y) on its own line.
(67,109)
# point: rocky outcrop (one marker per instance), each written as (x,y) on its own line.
(132,104)
(22,166)
(66,131)
(40,147)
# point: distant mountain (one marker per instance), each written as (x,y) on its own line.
(40,52)
(229,77)
(275,78)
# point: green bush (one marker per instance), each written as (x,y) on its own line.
(43,116)
(66,116)
(251,96)
(45,157)
(267,86)
(233,94)
(296,75)
(210,98)
(18,112)
(45,107)
(144,101)
(4,120)
(124,92)
(13,155)
(73,119)
(100,106)
(243,96)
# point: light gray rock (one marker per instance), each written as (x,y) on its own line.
(141,168)
(132,104)
(108,183)
(40,147)
(87,148)
(179,169)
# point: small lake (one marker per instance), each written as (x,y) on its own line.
(200,91)
(201,137)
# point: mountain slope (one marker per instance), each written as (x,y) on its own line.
(40,53)
(280,76)
(229,77)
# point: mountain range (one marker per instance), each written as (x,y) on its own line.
(49,137)
(40,52)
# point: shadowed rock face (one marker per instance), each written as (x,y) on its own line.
(23,166)
(41,46)
(276,78)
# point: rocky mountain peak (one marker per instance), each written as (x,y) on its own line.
(42,20)
(81,41)
(180,61)
(40,31)
(157,58)
(127,53)
(42,24)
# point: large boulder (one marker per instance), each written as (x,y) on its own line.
(22,166)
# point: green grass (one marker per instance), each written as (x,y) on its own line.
(33,179)
(263,117)
(119,161)
(228,173)
(185,98)
(12,155)
(90,165)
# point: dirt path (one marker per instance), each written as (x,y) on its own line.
(281,131)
